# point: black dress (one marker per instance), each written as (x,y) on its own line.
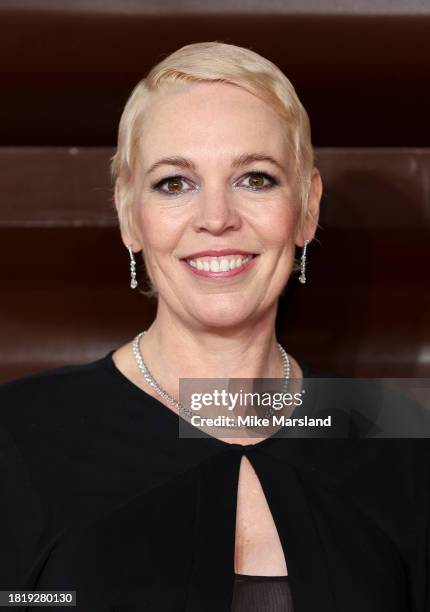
(113,504)
(261,594)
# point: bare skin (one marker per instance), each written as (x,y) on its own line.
(215,172)
(258,550)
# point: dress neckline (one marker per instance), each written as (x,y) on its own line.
(107,360)
(252,578)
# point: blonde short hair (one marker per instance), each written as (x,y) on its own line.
(212,62)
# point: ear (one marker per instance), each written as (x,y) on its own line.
(310,223)
(125,218)
(117,195)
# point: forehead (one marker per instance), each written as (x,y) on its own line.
(210,120)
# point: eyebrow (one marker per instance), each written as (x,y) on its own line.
(238,162)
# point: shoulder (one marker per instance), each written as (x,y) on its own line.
(383,429)
(51,379)
(375,407)
(43,395)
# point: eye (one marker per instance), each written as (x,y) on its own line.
(257,181)
(173,184)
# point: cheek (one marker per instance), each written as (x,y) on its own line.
(277,230)
(160,233)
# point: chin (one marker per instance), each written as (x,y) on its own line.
(221,316)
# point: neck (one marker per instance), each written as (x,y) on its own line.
(174,350)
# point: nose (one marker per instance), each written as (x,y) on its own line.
(216,212)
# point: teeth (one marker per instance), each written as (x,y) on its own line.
(218,264)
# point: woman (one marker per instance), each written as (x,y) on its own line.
(215,185)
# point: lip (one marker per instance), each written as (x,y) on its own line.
(217,253)
(221,275)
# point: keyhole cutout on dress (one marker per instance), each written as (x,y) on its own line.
(258,549)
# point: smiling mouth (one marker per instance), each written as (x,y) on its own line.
(219,267)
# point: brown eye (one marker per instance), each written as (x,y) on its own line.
(171,186)
(256,181)
(259,181)
(174,185)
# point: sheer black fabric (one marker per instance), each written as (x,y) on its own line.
(261,594)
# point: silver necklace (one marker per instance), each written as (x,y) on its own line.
(185,410)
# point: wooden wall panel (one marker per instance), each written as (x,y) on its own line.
(364,311)
(360,68)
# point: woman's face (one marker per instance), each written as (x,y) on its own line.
(217,224)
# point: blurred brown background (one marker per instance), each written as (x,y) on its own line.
(362,72)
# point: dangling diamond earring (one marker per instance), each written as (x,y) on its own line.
(302,277)
(133,281)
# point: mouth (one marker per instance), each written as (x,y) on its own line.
(223,264)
